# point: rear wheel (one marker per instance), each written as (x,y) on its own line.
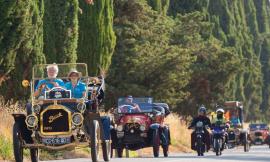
(106,150)
(34,155)
(17,143)
(156,143)
(95,141)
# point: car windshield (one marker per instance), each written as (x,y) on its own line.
(135,105)
(63,88)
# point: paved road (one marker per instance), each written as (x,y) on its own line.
(257,153)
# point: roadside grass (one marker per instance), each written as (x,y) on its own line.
(6,148)
(180,135)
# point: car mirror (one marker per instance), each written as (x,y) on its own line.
(25,83)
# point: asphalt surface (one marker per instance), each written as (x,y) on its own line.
(256,153)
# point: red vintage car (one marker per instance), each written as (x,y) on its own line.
(139,123)
(259,133)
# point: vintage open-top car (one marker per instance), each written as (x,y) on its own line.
(140,124)
(259,133)
(237,135)
(56,119)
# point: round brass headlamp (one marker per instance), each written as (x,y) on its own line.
(31,121)
(77,119)
(81,107)
(36,108)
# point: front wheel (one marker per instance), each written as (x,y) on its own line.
(17,143)
(106,150)
(156,143)
(246,143)
(95,141)
(119,152)
(165,150)
(217,147)
(199,147)
(34,155)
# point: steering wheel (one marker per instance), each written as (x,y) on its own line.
(127,108)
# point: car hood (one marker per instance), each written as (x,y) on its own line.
(136,118)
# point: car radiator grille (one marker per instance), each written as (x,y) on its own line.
(55,121)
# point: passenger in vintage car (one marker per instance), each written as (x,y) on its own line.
(78,88)
(52,81)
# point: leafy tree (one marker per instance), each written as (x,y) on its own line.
(21,43)
(61,30)
(96,35)
(149,59)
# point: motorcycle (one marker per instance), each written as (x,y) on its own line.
(218,133)
(200,136)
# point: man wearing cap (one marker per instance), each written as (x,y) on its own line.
(52,71)
(129,101)
(78,89)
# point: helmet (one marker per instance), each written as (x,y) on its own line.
(202,109)
(220,110)
(220,113)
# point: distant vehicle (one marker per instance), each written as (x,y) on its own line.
(139,125)
(237,135)
(55,120)
(259,133)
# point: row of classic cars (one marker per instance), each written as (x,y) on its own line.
(56,119)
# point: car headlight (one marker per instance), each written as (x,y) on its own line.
(81,107)
(77,119)
(142,127)
(120,128)
(31,121)
(36,109)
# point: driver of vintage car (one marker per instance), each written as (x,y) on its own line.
(52,81)
(78,88)
(129,102)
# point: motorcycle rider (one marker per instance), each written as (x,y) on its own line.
(220,121)
(206,122)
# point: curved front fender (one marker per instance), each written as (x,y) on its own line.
(26,133)
(154,126)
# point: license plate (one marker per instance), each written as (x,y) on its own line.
(53,141)
(258,143)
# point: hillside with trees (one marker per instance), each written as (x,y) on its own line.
(184,52)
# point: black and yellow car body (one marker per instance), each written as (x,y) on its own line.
(59,123)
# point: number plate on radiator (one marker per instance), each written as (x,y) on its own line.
(59,141)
